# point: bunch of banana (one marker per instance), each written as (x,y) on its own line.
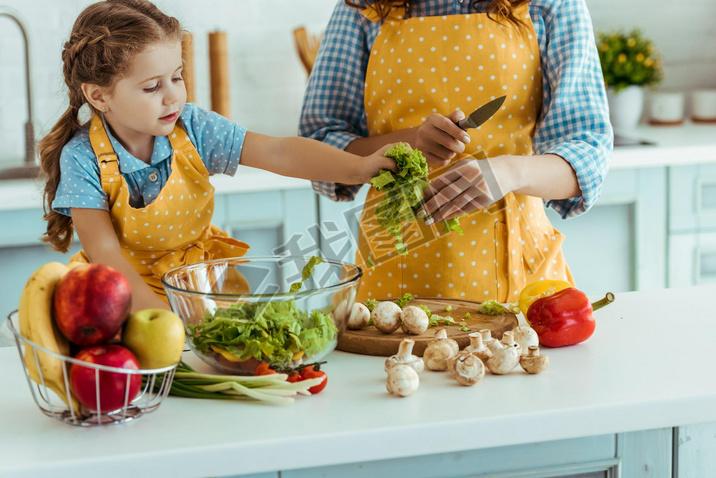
(37,325)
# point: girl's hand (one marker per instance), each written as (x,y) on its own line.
(469,185)
(440,138)
(371,165)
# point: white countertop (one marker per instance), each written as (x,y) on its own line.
(648,365)
(675,145)
(688,143)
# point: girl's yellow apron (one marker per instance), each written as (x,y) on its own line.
(425,65)
(173,230)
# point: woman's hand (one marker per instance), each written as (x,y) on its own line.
(371,165)
(469,185)
(440,138)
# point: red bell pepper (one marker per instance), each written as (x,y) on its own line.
(565,317)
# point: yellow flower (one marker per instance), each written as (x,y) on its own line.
(640,57)
(631,42)
(604,47)
(648,62)
(621,58)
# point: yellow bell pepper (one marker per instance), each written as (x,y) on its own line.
(226,354)
(539,289)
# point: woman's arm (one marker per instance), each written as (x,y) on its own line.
(309,159)
(472,184)
(99,241)
(574,120)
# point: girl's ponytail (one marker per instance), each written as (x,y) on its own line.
(59,231)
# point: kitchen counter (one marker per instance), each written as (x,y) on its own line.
(647,366)
(689,143)
(674,146)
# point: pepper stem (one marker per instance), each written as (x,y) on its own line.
(608,299)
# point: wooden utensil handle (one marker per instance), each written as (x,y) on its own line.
(219,73)
(187,54)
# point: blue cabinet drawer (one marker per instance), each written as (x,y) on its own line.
(692,197)
(556,458)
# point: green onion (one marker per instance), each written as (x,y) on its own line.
(268,388)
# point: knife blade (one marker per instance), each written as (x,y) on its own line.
(482,114)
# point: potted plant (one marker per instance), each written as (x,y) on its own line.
(629,63)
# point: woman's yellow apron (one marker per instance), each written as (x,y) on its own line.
(425,65)
(173,230)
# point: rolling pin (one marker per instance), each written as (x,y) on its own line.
(219,73)
(187,55)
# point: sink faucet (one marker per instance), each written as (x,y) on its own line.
(30,168)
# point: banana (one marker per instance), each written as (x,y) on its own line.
(37,325)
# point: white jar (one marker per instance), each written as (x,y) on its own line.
(703,106)
(666,108)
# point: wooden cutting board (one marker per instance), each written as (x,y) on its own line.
(370,341)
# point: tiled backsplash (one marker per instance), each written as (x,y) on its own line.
(266,75)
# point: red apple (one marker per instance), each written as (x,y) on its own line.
(91,303)
(114,387)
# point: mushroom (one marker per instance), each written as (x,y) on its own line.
(490,342)
(533,362)
(360,316)
(439,351)
(402,380)
(414,319)
(508,340)
(386,317)
(525,336)
(466,368)
(405,356)
(504,360)
(477,347)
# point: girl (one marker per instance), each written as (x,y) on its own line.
(134,180)
(406,69)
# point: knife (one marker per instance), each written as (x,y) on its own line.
(482,114)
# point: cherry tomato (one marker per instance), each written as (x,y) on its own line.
(294,377)
(311,372)
(263,369)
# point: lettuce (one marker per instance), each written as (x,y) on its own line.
(267,331)
(403,193)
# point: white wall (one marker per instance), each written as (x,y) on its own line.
(266,75)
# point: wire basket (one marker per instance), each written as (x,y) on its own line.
(154,388)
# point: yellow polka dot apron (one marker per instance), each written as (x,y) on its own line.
(175,229)
(425,65)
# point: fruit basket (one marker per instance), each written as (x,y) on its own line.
(52,393)
(287,311)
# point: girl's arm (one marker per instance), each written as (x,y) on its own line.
(99,241)
(310,159)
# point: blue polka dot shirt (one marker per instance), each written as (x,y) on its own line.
(217,140)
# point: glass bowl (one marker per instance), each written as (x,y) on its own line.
(240,312)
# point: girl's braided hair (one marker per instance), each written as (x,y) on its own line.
(104,40)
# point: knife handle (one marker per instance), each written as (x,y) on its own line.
(464,123)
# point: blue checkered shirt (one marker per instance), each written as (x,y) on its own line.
(573,122)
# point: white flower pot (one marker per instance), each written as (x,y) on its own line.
(625,107)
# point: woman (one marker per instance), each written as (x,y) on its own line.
(405,71)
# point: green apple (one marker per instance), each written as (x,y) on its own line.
(156,336)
